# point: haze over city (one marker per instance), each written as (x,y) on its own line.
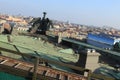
(88,12)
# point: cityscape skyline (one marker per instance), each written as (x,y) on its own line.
(93,12)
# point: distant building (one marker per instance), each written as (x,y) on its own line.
(102,40)
(2,21)
(56,26)
(22,28)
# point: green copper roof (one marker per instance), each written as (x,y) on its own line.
(67,51)
(6,76)
(28,44)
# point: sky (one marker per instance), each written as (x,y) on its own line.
(88,12)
